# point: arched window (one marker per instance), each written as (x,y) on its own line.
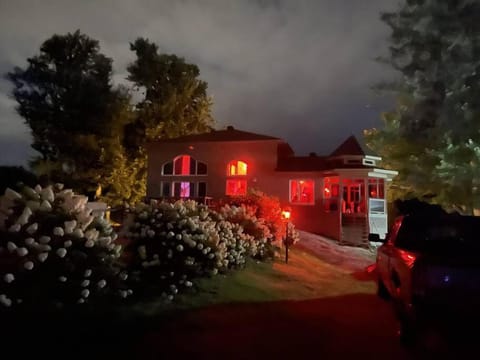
(236,167)
(184,165)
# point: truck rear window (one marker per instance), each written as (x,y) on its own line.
(438,234)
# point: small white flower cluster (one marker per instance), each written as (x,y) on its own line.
(50,225)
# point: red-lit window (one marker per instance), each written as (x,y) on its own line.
(236,167)
(302,191)
(236,187)
(331,192)
(376,188)
(181,165)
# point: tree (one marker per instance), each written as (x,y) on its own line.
(433,137)
(76,116)
(175,100)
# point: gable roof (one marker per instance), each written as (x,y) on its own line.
(351,146)
(229,134)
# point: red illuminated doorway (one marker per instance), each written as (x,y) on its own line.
(353,197)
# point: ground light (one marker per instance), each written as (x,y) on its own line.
(286,218)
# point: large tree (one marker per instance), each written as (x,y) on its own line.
(174,100)
(433,136)
(76,116)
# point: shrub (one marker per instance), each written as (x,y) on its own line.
(54,252)
(176,243)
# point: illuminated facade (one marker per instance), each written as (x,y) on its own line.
(341,195)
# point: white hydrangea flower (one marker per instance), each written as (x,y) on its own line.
(78,233)
(23,219)
(58,231)
(101,284)
(47,194)
(123,293)
(87,273)
(188,283)
(70,226)
(85,293)
(89,244)
(44,247)
(37,188)
(28,265)
(44,239)
(45,206)
(5,301)
(11,194)
(42,257)
(170,297)
(22,251)
(32,228)
(170,234)
(85,283)
(129,291)
(123,276)
(178,237)
(33,205)
(179,248)
(61,252)
(67,243)
(62,278)
(8,278)
(151,233)
(81,301)
(15,228)
(11,246)
(29,241)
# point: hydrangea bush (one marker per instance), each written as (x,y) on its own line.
(54,251)
(175,243)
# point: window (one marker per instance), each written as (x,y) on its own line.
(181,165)
(236,187)
(236,167)
(168,168)
(183,189)
(166,189)
(331,193)
(376,188)
(202,189)
(302,191)
(184,165)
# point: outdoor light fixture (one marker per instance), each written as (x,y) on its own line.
(286,217)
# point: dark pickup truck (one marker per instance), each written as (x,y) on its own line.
(429,265)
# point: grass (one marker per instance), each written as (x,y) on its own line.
(304,277)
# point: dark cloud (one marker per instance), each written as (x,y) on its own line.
(300,70)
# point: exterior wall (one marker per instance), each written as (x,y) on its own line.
(260,156)
(261,159)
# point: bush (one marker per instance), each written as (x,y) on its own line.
(176,243)
(54,252)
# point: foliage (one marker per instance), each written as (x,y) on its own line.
(433,134)
(175,101)
(268,211)
(176,243)
(54,252)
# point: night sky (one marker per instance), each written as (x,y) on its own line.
(299,70)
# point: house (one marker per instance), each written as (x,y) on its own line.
(341,196)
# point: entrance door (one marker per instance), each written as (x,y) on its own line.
(353,200)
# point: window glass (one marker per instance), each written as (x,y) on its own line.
(236,187)
(201,168)
(168,168)
(202,189)
(236,167)
(302,191)
(166,192)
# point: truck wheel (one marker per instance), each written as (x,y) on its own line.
(382,291)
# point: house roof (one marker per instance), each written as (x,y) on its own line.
(302,163)
(229,134)
(351,146)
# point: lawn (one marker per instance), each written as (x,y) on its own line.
(304,277)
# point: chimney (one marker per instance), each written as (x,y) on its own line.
(312,154)
(230,128)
